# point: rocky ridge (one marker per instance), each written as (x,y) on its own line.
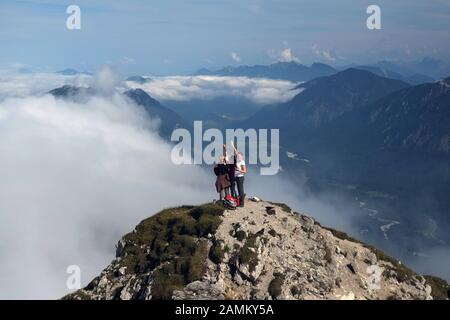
(262,251)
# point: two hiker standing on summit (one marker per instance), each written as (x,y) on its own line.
(229,176)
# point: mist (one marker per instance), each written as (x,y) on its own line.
(13,84)
(75,178)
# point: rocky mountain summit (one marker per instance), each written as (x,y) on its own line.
(262,251)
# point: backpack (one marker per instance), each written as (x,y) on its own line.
(230,202)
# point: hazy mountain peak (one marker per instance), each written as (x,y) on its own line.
(68,71)
(141,97)
(356,72)
(78,94)
(169,118)
(137,79)
(71,72)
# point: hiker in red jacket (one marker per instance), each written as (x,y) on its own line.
(223,183)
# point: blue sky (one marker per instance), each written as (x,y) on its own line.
(180,36)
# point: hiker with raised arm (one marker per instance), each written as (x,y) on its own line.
(240,169)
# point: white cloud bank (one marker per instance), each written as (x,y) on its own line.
(181,88)
(75,178)
(24,85)
(172,88)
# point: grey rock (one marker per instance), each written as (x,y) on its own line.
(199,290)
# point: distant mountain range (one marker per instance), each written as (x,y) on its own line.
(324,99)
(397,142)
(137,79)
(427,70)
(362,130)
(429,67)
(415,72)
(378,114)
(404,116)
(435,68)
(291,71)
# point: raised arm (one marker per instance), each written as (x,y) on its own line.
(225,153)
(234,148)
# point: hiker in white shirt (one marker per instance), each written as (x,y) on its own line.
(239,174)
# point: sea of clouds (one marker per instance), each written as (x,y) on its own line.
(181,88)
(75,177)
(171,88)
